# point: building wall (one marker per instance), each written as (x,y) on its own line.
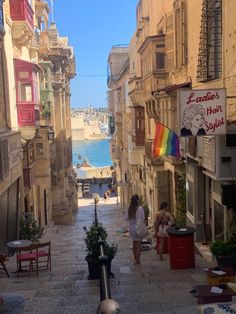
(181,22)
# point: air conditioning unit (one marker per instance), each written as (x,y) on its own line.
(4,158)
(218,157)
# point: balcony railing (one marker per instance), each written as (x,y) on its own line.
(21,11)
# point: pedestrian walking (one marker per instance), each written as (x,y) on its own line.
(164,220)
(134,213)
(105,196)
(100,186)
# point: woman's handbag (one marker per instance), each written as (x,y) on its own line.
(141,229)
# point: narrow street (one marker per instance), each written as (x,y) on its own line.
(148,288)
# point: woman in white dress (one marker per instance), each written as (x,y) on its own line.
(134,213)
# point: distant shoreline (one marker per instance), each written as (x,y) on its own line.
(92,138)
(96,151)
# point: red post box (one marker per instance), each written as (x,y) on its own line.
(181,247)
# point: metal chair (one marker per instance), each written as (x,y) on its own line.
(3,259)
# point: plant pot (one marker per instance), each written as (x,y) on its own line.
(94,268)
(226,261)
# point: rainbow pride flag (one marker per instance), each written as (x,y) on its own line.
(166,142)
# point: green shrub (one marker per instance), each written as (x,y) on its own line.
(29,228)
(221,248)
(92,246)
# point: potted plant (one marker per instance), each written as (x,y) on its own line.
(93,251)
(29,228)
(225,251)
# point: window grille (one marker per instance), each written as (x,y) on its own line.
(210,47)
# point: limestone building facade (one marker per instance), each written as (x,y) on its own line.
(35,147)
(181,45)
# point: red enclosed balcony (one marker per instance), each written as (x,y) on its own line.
(27,98)
(21,11)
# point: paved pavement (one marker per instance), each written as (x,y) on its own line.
(148,288)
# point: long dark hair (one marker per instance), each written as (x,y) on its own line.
(163,205)
(133,206)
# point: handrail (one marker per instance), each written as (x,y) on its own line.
(105,292)
(107,305)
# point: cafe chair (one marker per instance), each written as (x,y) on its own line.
(44,255)
(27,260)
(3,267)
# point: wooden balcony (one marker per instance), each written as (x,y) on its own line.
(28,114)
(135,84)
(44,43)
(139,138)
(23,21)
(29,170)
(57,80)
(148,154)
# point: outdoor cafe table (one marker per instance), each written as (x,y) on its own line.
(17,245)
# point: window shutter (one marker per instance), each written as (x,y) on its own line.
(169,42)
(4,158)
(208,156)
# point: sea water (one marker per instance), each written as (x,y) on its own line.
(97,152)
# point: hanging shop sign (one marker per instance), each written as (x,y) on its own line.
(202,112)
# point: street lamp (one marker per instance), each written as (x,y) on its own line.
(96,200)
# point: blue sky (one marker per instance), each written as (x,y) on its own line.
(93,27)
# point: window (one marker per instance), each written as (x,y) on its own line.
(210,47)
(24,92)
(160,60)
(27,82)
(180,34)
(39,149)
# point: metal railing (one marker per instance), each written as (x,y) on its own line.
(105,292)
(107,304)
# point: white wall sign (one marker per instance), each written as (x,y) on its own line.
(202,112)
